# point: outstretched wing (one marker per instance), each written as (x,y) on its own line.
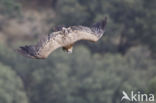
(63,38)
(44,47)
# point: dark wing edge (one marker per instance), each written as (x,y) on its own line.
(27,51)
(33,51)
(99,27)
(43,48)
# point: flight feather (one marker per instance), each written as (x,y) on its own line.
(65,38)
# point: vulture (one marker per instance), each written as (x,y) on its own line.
(64,38)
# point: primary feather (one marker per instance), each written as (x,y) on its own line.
(63,38)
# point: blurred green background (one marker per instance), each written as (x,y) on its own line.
(123,59)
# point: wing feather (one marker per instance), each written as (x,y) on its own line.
(43,48)
(62,38)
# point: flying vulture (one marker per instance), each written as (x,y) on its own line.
(64,38)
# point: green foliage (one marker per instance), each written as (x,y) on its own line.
(130,22)
(84,77)
(90,78)
(9,7)
(69,11)
(11,86)
(97,73)
(152,86)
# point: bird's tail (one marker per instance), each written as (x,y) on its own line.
(28,51)
(99,27)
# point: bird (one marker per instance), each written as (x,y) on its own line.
(64,38)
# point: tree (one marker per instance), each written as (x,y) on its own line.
(11,86)
(9,7)
(69,11)
(152,86)
(130,23)
(90,78)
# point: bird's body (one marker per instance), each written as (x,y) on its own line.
(65,38)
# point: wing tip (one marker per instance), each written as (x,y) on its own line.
(25,51)
(101,24)
(99,27)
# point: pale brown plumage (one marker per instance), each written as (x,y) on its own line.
(65,38)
